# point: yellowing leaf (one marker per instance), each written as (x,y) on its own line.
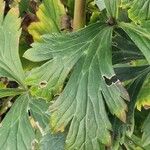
(144,95)
(1,10)
(125,3)
(49,15)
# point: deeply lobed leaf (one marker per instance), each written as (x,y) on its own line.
(16,131)
(87,54)
(10,65)
(144,95)
(61,64)
(140,36)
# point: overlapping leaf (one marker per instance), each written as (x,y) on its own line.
(140,10)
(38,109)
(87,54)
(144,95)
(126,3)
(10,65)
(100,4)
(131,72)
(124,133)
(61,65)
(124,50)
(48,141)
(112,8)
(4,92)
(49,14)
(16,131)
(140,36)
(146,131)
(53,142)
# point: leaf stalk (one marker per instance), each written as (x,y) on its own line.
(79,14)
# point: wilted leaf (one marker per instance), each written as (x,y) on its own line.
(140,36)
(49,15)
(10,65)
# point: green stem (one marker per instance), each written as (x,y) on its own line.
(79,14)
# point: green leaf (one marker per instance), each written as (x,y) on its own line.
(146,24)
(2,7)
(140,36)
(60,66)
(144,95)
(131,72)
(53,142)
(49,14)
(10,92)
(16,131)
(10,65)
(23,6)
(146,131)
(87,54)
(112,8)
(140,10)
(38,108)
(100,4)
(122,50)
(124,133)
(126,3)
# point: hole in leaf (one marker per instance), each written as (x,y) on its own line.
(110,81)
(111,21)
(43,84)
(12,84)
(4,80)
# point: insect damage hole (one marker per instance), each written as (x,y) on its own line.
(42,84)
(110,81)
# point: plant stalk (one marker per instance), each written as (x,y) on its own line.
(79,14)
